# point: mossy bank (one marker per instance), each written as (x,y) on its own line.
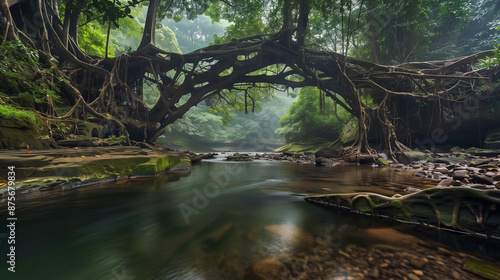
(42,170)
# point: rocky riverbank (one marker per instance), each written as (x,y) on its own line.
(71,168)
(475,168)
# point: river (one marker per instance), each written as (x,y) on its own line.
(215,223)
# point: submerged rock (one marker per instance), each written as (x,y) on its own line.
(269,269)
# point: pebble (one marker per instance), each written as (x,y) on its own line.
(418,262)
(412,276)
(384,265)
(418,272)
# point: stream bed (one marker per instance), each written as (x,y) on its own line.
(230,220)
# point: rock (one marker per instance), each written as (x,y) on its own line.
(382,162)
(217,235)
(375,273)
(415,155)
(451,160)
(418,272)
(417,262)
(443,170)
(457,149)
(239,157)
(482,179)
(445,182)
(208,156)
(327,152)
(456,183)
(320,161)
(412,276)
(269,269)
(460,174)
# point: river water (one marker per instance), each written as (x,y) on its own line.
(215,223)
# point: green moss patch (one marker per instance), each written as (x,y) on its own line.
(155,166)
(482,268)
(309,146)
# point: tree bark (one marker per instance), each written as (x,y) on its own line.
(303,20)
(148,37)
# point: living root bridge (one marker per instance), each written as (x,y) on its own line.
(112,89)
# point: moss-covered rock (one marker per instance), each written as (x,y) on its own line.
(309,146)
(20,134)
(155,166)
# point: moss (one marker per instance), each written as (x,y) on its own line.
(382,162)
(309,146)
(363,204)
(12,113)
(122,167)
(156,165)
(482,268)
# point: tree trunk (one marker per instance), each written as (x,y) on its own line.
(8,30)
(148,37)
(67,22)
(303,20)
(74,24)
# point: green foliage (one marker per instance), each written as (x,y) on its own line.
(128,37)
(12,113)
(194,34)
(92,38)
(305,120)
(492,63)
(202,125)
(23,78)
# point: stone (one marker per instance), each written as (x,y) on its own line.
(217,235)
(412,276)
(445,182)
(443,170)
(482,179)
(460,174)
(415,155)
(451,160)
(269,269)
(418,272)
(491,174)
(418,262)
(382,162)
(375,273)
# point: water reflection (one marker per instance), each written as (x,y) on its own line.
(255,224)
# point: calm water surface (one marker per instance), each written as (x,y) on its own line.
(213,224)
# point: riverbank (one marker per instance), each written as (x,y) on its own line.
(70,168)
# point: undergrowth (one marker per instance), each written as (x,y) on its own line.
(23,77)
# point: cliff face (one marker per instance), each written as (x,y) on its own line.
(16,134)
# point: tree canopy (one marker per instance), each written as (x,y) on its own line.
(267,45)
